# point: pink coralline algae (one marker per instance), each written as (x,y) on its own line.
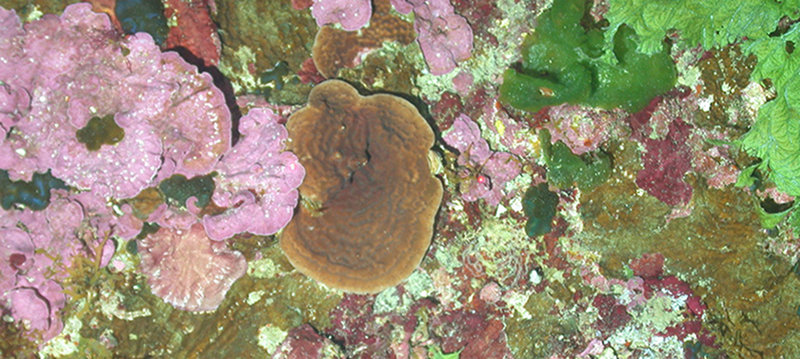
(463,83)
(717,165)
(189,270)
(38,305)
(582,130)
(485,172)
(26,293)
(303,342)
(444,36)
(472,334)
(257,181)
(618,311)
(14,103)
(351,14)
(58,73)
(512,134)
(667,158)
(37,247)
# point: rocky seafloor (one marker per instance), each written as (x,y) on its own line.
(399,179)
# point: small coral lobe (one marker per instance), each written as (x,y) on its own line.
(34,194)
(100,131)
(369,198)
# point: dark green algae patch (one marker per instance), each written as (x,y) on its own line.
(100,131)
(568,59)
(539,205)
(33,194)
(143,16)
(566,169)
(178,189)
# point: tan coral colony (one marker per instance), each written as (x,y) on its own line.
(369,199)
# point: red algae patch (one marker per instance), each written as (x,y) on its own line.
(187,269)
(369,198)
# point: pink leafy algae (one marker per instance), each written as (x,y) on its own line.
(351,14)
(486,172)
(444,36)
(38,246)
(60,72)
(189,270)
(257,180)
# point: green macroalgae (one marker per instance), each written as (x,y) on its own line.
(566,60)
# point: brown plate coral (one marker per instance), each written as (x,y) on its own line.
(369,198)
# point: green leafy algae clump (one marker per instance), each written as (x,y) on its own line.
(437,353)
(774,136)
(565,62)
(566,169)
(34,194)
(708,23)
(100,131)
(539,205)
(636,78)
(177,189)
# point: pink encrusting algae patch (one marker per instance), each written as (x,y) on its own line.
(582,129)
(39,245)
(189,270)
(485,171)
(351,14)
(668,156)
(77,68)
(444,37)
(257,180)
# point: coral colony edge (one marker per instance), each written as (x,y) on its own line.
(400,179)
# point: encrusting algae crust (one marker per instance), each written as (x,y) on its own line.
(369,198)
